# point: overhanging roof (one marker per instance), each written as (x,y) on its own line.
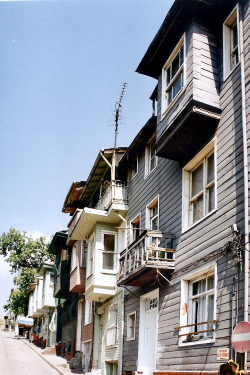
(211,13)
(98,172)
(58,241)
(72,199)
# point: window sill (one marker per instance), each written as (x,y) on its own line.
(200,342)
(146,176)
(90,275)
(231,71)
(132,338)
(109,272)
(184,230)
(112,346)
(165,112)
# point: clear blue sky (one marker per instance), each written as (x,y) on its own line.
(62,66)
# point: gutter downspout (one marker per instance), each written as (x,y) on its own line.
(244,129)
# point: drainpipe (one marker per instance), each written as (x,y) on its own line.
(48,330)
(244,129)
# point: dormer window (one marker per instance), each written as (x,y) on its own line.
(173,75)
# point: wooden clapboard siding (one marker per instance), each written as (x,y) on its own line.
(205,82)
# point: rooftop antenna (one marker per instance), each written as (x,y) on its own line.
(117,114)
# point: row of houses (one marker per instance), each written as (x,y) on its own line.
(152,273)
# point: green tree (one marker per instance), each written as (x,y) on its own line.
(25,255)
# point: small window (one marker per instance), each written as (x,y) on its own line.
(109,251)
(135,228)
(88,312)
(84,254)
(112,326)
(131,321)
(231,56)
(151,160)
(173,75)
(91,247)
(73,258)
(199,187)
(51,282)
(134,167)
(198,300)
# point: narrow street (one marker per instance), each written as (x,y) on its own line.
(16,358)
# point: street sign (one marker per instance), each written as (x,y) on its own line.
(241,337)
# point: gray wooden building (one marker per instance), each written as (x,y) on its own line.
(185,269)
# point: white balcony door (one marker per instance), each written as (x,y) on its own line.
(148,333)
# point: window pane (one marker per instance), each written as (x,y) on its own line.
(210,313)
(108,261)
(195,288)
(168,76)
(210,168)
(210,282)
(181,55)
(177,86)
(154,223)
(197,180)
(235,35)
(175,65)
(109,242)
(211,199)
(198,209)
(170,95)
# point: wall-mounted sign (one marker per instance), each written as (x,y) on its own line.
(223,354)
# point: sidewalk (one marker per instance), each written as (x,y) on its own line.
(58,363)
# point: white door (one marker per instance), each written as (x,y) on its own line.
(148,332)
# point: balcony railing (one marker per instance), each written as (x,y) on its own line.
(116,193)
(145,254)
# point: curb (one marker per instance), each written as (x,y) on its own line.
(40,355)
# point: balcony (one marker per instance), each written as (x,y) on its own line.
(141,260)
(111,206)
(115,195)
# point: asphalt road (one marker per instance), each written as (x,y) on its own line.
(16,358)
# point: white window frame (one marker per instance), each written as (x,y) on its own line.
(111,331)
(84,254)
(135,220)
(129,318)
(187,213)
(91,250)
(73,258)
(149,157)
(186,309)
(181,71)
(114,270)
(228,66)
(134,171)
(152,204)
(88,312)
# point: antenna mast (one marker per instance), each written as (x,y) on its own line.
(117,114)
